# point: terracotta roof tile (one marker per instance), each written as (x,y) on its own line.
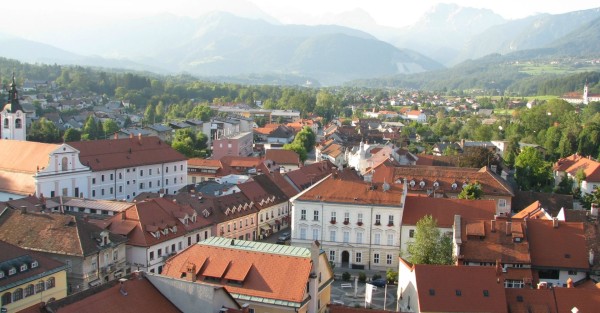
(586,300)
(444,209)
(568,248)
(496,243)
(272,275)
(459,289)
(551,202)
(16,172)
(142,296)
(281,156)
(55,233)
(491,184)
(129,152)
(574,163)
(307,175)
(152,215)
(362,193)
(524,300)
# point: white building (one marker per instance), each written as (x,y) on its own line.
(156,230)
(358,224)
(102,169)
(12,123)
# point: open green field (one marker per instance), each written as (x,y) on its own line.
(503,112)
(558,68)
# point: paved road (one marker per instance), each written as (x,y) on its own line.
(346,296)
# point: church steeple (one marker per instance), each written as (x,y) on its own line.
(13,104)
(585,92)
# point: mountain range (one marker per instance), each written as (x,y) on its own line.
(220,44)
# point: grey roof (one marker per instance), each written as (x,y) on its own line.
(160,128)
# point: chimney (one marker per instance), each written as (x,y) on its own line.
(130,135)
(122,289)
(245,308)
(542,285)
(140,138)
(594,210)
(137,274)
(508,228)
(123,216)
(591,257)
(233,242)
(569,282)
(116,135)
(493,226)
(190,272)
(555,222)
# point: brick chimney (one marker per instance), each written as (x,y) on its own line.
(569,282)
(190,272)
(493,226)
(508,228)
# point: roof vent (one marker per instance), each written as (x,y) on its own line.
(233,242)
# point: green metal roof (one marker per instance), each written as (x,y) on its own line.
(257,246)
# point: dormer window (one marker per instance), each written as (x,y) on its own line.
(34,264)
(422,184)
(454,186)
(1,274)
(12,271)
(174,229)
(23,267)
(436,184)
(412,183)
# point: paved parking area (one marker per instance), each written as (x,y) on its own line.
(341,293)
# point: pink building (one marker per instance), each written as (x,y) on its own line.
(239,144)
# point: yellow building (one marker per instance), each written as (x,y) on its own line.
(28,278)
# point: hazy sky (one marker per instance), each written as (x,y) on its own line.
(34,18)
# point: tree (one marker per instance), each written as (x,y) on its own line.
(150,114)
(391,275)
(298,148)
(477,157)
(531,171)
(72,134)
(472,191)
(43,130)
(189,143)
(109,127)
(90,129)
(430,246)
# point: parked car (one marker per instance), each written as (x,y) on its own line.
(379,282)
(284,238)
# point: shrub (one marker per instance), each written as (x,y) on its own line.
(391,276)
(346,276)
(362,277)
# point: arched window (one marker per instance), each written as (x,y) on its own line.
(18,294)
(50,283)
(29,291)
(18,123)
(65,164)
(6,298)
(39,287)
(5,123)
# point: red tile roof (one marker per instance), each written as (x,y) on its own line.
(129,152)
(444,209)
(281,156)
(574,163)
(19,161)
(446,288)
(586,300)
(307,175)
(141,296)
(525,300)
(272,276)
(445,177)
(53,233)
(152,215)
(568,248)
(361,193)
(499,244)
